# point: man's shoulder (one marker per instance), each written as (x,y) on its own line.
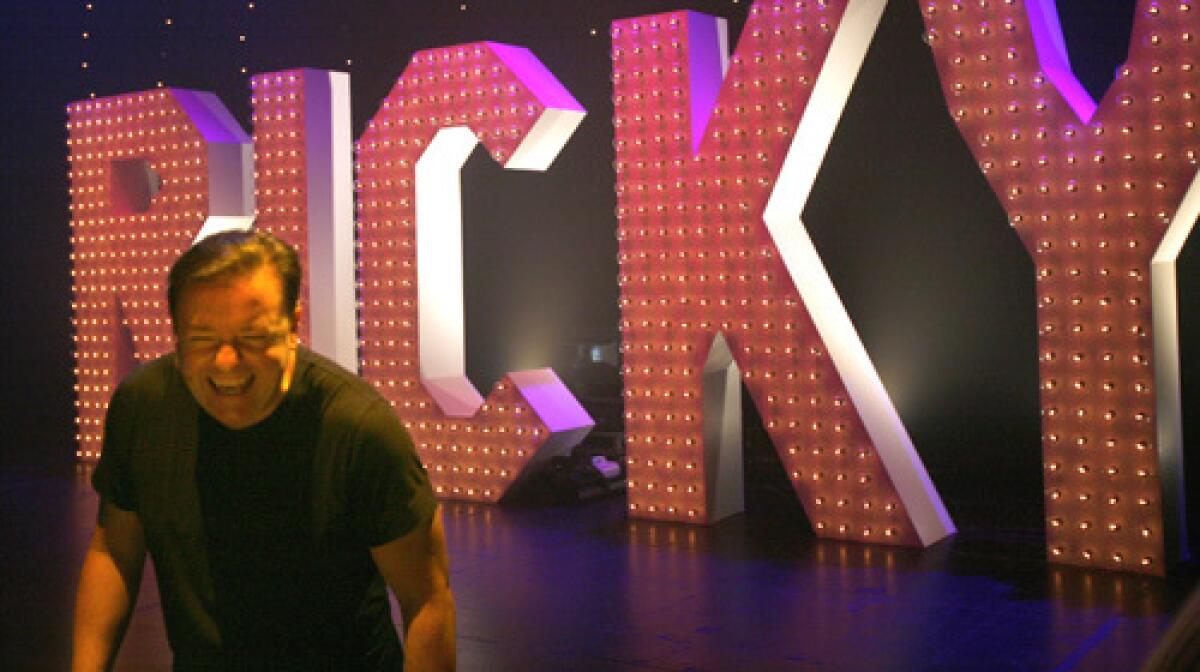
(148,406)
(341,395)
(152,379)
(348,412)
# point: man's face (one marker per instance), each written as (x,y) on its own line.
(236,346)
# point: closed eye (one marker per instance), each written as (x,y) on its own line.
(255,340)
(201,341)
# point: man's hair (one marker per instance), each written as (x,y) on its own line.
(224,256)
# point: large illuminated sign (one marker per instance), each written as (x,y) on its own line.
(721,284)
(1103,197)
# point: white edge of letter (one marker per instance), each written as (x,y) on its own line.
(330,193)
(1052,55)
(440,271)
(1168,396)
(566,420)
(230,163)
(561,114)
(782,217)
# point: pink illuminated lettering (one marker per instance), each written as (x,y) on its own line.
(150,172)
(1103,197)
(410,237)
(721,287)
(304,185)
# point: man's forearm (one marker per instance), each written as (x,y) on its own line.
(429,640)
(102,610)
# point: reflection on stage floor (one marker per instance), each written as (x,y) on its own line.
(581,587)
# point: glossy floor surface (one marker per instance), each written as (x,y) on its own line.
(580,587)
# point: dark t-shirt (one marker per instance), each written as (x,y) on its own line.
(260,537)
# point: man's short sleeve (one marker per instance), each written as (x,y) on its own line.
(113,477)
(388,491)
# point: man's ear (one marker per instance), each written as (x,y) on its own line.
(177,343)
(294,335)
(297,315)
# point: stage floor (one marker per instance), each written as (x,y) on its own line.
(580,587)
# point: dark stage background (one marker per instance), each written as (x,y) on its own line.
(916,243)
